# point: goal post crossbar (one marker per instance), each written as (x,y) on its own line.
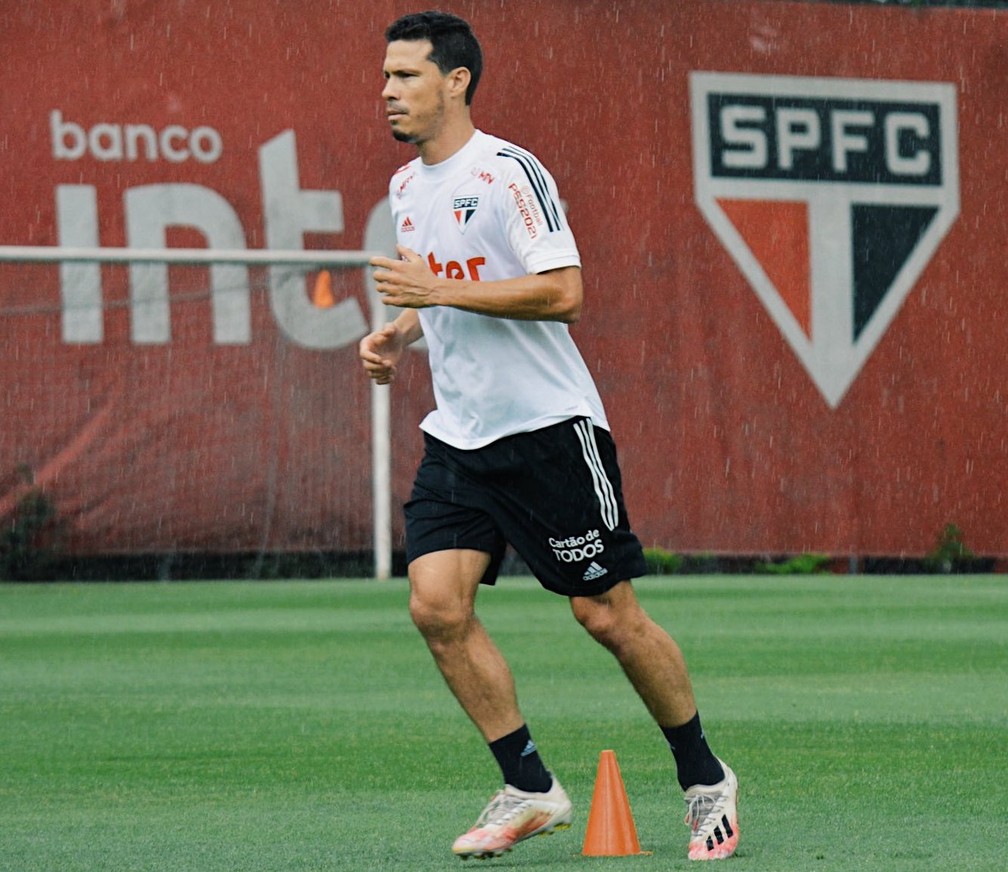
(185,256)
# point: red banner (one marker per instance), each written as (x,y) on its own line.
(791,218)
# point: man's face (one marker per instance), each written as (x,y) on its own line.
(414,91)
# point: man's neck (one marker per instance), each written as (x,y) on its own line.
(450,142)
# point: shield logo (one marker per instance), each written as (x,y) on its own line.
(831,196)
(463,209)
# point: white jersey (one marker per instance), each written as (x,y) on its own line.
(491,211)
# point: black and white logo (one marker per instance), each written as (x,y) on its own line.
(463,208)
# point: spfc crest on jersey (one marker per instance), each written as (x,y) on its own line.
(831,195)
(464,208)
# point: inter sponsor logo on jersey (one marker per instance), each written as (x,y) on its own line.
(831,195)
(463,209)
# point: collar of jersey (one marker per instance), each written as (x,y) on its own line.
(449,164)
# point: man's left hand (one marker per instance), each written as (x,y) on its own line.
(407,282)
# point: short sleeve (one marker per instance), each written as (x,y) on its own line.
(534,218)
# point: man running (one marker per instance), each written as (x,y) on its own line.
(518,448)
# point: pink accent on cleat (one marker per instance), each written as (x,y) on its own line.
(511,816)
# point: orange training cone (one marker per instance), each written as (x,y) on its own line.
(611,831)
(322,295)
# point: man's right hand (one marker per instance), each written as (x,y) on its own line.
(380,352)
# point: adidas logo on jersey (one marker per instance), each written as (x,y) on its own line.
(407,225)
(594,571)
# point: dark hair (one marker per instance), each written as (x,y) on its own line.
(454,43)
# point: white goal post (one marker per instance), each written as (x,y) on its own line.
(381,472)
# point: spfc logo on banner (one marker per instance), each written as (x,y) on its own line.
(831,195)
(464,208)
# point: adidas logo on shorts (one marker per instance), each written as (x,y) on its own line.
(594,571)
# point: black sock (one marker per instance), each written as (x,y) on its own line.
(695,762)
(520,763)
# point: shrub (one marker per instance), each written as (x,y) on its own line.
(800,564)
(29,538)
(950,553)
(662,562)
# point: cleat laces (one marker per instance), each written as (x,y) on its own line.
(502,809)
(704,813)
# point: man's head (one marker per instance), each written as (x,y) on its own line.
(432,64)
(453,43)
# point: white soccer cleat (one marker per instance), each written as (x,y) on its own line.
(712,817)
(511,816)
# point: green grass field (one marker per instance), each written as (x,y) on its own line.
(302,726)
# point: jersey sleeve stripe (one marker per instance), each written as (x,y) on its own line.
(533,172)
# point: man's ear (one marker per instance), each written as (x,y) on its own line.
(458,80)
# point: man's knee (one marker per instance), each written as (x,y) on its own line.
(609,617)
(590,615)
(437,616)
(442,592)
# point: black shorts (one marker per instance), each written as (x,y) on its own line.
(554,494)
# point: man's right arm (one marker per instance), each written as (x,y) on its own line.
(381,351)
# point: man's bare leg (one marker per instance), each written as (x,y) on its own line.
(443,589)
(650,657)
(655,666)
